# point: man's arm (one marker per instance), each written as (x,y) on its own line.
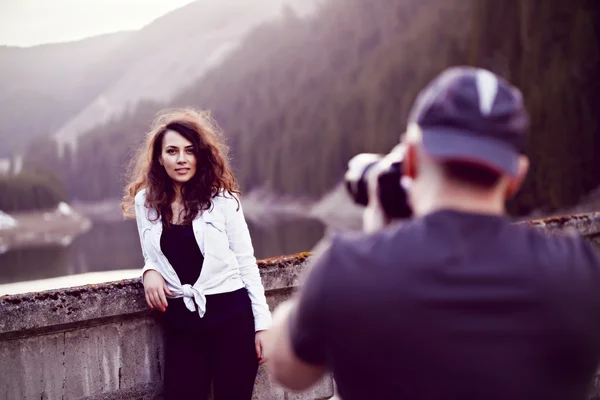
(297,339)
(284,365)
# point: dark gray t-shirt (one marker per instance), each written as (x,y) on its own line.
(453,306)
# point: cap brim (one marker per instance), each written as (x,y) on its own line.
(451,144)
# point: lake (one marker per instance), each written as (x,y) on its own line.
(111,246)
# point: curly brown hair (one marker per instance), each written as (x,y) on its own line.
(213,174)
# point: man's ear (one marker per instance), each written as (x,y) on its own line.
(412,139)
(409,165)
(514,184)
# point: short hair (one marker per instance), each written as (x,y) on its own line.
(474,175)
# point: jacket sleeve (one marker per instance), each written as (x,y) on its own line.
(141,218)
(241,245)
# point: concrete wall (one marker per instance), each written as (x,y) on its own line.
(102,342)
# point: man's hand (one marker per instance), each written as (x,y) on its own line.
(260,343)
(155,289)
(284,366)
(280,316)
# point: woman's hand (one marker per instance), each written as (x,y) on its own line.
(155,289)
(259,342)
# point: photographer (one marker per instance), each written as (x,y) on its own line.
(458,302)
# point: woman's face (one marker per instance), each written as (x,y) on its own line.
(177,157)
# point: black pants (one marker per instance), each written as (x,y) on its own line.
(219,349)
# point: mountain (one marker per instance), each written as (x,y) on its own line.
(167,55)
(295,86)
(299,96)
(43,86)
(68,88)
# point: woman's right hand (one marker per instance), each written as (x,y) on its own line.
(155,289)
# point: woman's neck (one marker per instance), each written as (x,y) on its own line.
(177,198)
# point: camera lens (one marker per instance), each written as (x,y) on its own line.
(355,177)
(391,194)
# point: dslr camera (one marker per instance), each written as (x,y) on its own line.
(374,181)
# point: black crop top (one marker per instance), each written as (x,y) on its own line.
(178,244)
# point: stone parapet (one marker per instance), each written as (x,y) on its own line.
(102,342)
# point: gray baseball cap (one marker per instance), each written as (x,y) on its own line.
(472,115)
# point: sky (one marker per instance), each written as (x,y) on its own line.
(32,22)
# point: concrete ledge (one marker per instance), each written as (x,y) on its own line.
(102,342)
(587,225)
(56,310)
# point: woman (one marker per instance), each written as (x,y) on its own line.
(199,260)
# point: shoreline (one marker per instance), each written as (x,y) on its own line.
(335,210)
(82,279)
(261,207)
(43,228)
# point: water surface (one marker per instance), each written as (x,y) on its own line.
(111,246)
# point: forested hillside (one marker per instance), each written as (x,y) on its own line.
(300,97)
(32,190)
(552,52)
(65,89)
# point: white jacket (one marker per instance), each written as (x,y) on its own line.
(229,263)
